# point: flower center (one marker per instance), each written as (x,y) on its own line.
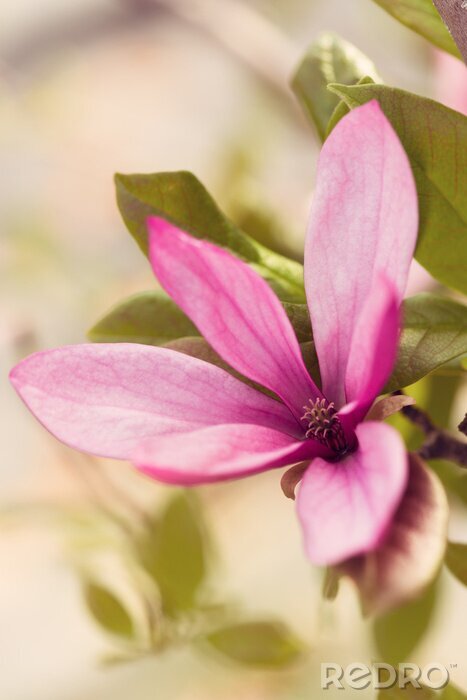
(324,425)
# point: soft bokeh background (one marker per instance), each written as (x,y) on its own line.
(90,87)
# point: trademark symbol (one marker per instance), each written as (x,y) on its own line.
(454,665)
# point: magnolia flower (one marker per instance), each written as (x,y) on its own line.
(181,420)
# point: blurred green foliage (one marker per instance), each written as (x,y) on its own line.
(456,560)
(259,644)
(169,557)
(330,59)
(434,332)
(180,198)
(107,610)
(151,318)
(423,18)
(173,552)
(397,633)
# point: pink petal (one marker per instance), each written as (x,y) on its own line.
(107,399)
(346,507)
(234,309)
(220,452)
(373,347)
(450,83)
(450,79)
(363,220)
(413,549)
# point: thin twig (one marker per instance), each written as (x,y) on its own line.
(463,425)
(439,443)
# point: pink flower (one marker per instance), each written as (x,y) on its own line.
(183,421)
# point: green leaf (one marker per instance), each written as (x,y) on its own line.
(422,17)
(330,59)
(107,610)
(434,332)
(456,560)
(299,317)
(397,634)
(258,644)
(180,198)
(310,358)
(434,139)
(151,318)
(341,110)
(173,552)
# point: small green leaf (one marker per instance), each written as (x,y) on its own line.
(341,109)
(107,610)
(433,137)
(180,198)
(257,644)
(173,552)
(151,318)
(422,17)
(456,560)
(330,59)
(310,358)
(331,583)
(397,634)
(434,332)
(299,317)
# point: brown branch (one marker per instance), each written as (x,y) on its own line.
(454,15)
(439,443)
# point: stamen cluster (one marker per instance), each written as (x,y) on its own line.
(324,424)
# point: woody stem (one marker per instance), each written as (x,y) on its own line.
(439,443)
